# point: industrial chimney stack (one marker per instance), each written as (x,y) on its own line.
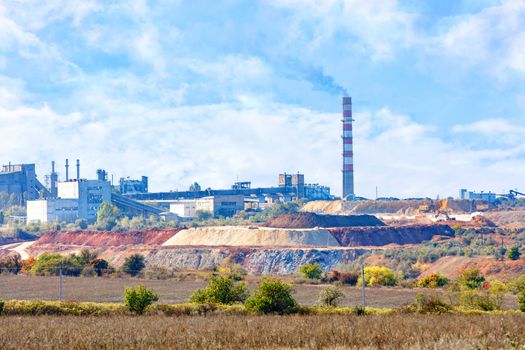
(67,170)
(348,152)
(78,169)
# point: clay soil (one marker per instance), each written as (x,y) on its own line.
(311,220)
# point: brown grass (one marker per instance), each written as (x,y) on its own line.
(101,289)
(255,332)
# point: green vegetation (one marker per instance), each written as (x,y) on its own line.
(378,276)
(271,296)
(203,215)
(133,264)
(349,278)
(434,280)
(470,279)
(107,216)
(521,300)
(514,253)
(311,271)
(221,290)
(331,296)
(429,304)
(2,303)
(139,298)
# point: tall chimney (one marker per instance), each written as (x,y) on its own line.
(54,179)
(67,170)
(348,152)
(78,169)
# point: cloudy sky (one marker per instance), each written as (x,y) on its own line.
(219,91)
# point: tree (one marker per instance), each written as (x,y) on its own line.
(1,306)
(330,296)
(133,264)
(221,290)
(378,276)
(470,279)
(50,264)
(514,253)
(434,280)
(107,216)
(195,187)
(139,298)
(272,295)
(203,215)
(311,271)
(100,266)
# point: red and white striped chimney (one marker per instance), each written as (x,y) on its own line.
(348,151)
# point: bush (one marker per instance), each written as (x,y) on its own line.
(470,279)
(378,276)
(434,280)
(521,300)
(311,271)
(133,264)
(101,266)
(107,216)
(349,278)
(429,304)
(50,264)
(10,264)
(331,296)
(481,300)
(1,306)
(514,253)
(139,298)
(221,290)
(272,295)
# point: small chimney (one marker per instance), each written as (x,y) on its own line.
(78,169)
(67,170)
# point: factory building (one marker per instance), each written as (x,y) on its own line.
(130,186)
(348,151)
(184,208)
(488,196)
(221,205)
(20,180)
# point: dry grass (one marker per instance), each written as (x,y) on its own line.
(255,332)
(98,289)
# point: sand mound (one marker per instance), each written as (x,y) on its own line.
(311,220)
(251,236)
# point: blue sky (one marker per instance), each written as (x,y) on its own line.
(215,91)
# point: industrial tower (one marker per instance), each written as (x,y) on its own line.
(348,152)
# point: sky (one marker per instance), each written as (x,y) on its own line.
(225,91)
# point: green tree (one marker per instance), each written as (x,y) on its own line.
(272,295)
(434,280)
(330,296)
(514,253)
(107,216)
(139,298)
(1,306)
(311,271)
(470,279)
(221,290)
(50,264)
(133,264)
(203,215)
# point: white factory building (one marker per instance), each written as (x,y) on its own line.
(75,200)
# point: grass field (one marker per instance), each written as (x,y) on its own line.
(255,332)
(171,291)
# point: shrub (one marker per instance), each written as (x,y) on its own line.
(27,265)
(311,271)
(434,280)
(133,264)
(331,296)
(88,271)
(378,275)
(107,216)
(10,264)
(100,266)
(50,264)
(349,278)
(221,290)
(272,295)
(1,306)
(139,298)
(514,253)
(429,304)
(521,300)
(481,300)
(231,270)
(359,310)
(470,279)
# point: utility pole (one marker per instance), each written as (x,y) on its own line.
(363,284)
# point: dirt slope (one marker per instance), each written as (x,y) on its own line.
(311,220)
(105,239)
(379,236)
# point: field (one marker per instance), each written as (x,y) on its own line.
(255,332)
(98,289)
